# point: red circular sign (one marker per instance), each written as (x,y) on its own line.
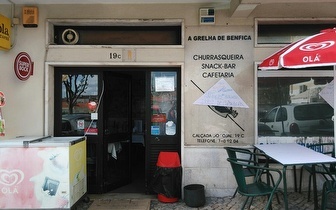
(23,66)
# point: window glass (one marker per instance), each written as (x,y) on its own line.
(270,32)
(313,112)
(282,115)
(271,115)
(118,35)
(292,106)
(79,104)
(163,103)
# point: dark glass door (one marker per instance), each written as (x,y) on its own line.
(128,115)
(77,113)
(96,103)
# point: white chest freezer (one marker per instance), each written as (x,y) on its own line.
(42,172)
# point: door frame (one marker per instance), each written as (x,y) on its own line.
(153,150)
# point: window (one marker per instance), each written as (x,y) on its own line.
(163,103)
(303,88)
(282,116)
(271,115)
(122,35)
(285,31)
(289,104)
(79,101)
(115,32)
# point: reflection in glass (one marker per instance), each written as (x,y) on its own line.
(79,100)
(163,103)
(292,106)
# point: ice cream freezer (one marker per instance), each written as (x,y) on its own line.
(42,172)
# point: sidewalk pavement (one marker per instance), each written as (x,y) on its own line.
(297,201)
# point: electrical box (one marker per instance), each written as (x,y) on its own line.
(207,16)
(30,17)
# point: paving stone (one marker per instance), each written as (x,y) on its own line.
(297,201)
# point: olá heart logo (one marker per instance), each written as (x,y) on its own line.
(12,177)
(317,46)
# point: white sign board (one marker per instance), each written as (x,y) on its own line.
(221,94)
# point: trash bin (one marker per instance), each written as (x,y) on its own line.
(167,177)
(194,195)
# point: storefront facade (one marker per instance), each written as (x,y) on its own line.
(218,48)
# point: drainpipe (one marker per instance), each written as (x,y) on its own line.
(15,22)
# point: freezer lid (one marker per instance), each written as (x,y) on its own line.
(68,140)
(44,141)
(18,142)
(27,143)
(58,141)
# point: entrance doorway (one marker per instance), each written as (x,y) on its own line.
(128,115)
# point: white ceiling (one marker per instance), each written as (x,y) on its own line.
(238,8)
(159,1)
(113,1)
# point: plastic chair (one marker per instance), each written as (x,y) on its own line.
(247,154)
(326,170)
(328,187)
(257,187)
(234,152)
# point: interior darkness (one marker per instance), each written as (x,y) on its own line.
(122,35)
(137,184)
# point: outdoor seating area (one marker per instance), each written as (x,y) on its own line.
(327,171)
(316,158)
(311,158)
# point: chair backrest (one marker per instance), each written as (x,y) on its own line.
(238,172)
(254,158)
(235,152)
(327,148)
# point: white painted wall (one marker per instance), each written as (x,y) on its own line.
(25,100)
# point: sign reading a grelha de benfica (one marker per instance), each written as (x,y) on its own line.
(5,31)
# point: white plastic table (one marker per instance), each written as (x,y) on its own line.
(294,154)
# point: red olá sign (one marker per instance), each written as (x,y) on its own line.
(23,66)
